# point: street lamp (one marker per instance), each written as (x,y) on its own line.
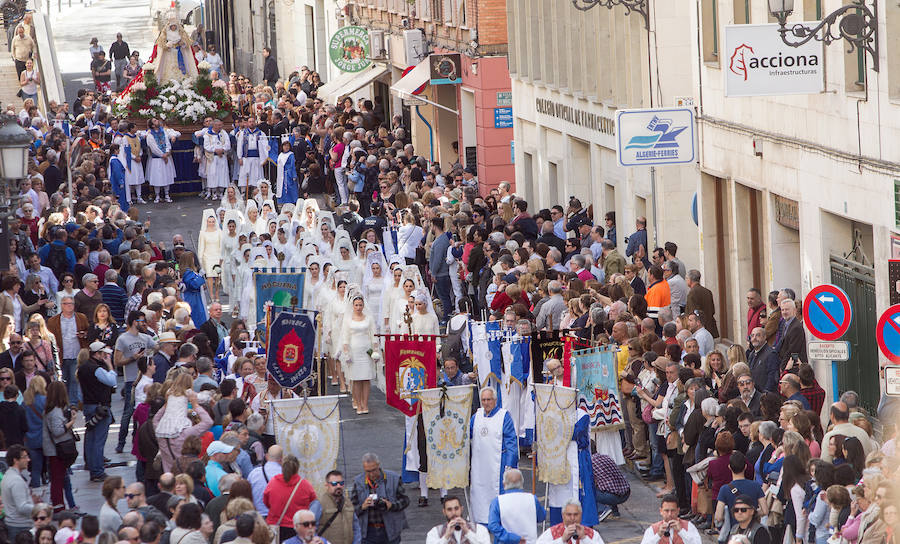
(639,6)
(856,23)
(14,144)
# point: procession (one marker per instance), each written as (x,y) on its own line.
(241,306)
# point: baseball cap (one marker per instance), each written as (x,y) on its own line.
(98,346)
(217,446)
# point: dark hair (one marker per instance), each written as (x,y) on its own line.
(24,538)
(227,387)
(724,443)
(793,472)
(770,406)
(189,516)
(57,396)
(10,392)
(197,471)
(150,531)
(824,473)
(855,455)
(244,524)
(133,316)
(673,352)
(738,462)
(837,413)
(14,453)
(669,497)
(449,498)
(237,407)
(845,475)
(90,526)
(39,530)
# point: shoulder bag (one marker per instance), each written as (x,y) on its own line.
(276,528)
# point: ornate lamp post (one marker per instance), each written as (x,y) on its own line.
(639,6)
(14,144)
(855,22)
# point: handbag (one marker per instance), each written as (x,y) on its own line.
(276,528)
(776,510)
(647,413)
(67,451)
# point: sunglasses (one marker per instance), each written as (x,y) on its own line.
(132,495)
(307,523)
(41,518)
(742,509)
(335,484)
(5,379)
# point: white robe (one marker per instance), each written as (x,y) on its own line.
(216,166)
(160,172)
(135,174)
(251,167)
(487,445)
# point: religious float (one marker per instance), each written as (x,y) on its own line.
(174,87)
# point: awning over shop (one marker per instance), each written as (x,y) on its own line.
(418,76)
(350,82)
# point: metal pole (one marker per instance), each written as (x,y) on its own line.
(653,204)
(69,179)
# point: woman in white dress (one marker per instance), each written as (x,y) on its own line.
(252,215)
(360,345)
(345,260)
(393,290)
(230,244)
(409,237)
(312,281)
(232,200)
(412,280)
(241,266)
(334,319)
(308,214)
(209,250)
(161,166)
(424,319)
(374,286)
(264,194)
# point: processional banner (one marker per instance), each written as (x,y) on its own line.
(410,364)
(278,287)
(310,429)
(598,387)
(555,419)
(446,414)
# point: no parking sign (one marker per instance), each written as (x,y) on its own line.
(887,333)
(827,312)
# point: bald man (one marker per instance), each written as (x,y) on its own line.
(259,477)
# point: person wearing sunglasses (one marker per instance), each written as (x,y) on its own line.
(738,487)
(338,522)
(747,521)
(305,525)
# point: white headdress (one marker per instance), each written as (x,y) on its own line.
(207,213)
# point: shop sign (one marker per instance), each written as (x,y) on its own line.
(445,69)
(787,212)
(759,63)
(504,98)
(503,118)
(576,116)
(349,49)
(655,137)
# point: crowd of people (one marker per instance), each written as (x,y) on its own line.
(391,243)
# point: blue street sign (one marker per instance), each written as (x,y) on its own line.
(887,333)
(827,312)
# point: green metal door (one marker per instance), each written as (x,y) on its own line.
(860,373)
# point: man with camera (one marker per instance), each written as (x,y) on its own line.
(380,502)
(456,530)
(570,530)
(97,379)
(671,530)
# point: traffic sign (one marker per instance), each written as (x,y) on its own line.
(892,381)
(828,351)
(827,312)
(887,333)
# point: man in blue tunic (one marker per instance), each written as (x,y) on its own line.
(495,448)
(581,485)
(117,177)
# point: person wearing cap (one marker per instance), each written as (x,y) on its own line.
(164,358)
(789,387)
(220,454)
(97,379)
(747,521)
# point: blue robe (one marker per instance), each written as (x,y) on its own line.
(509,454)
(290,189)
(193,295)
(117,181)
(582,437)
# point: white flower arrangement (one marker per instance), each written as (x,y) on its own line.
(175,100)
(204,65)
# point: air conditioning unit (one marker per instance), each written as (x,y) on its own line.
(415,47)
(377,45)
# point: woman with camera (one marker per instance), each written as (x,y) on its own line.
(29,80)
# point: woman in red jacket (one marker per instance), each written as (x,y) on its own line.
(513,294)
(285,494)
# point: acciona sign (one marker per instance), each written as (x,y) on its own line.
(759,63)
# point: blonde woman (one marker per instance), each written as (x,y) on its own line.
(35,399)
(714,367)
(736,354)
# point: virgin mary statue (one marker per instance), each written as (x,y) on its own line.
(173,58)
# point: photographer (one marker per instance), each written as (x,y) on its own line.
(97,379)
(671,529)
(456,530)
(380,502)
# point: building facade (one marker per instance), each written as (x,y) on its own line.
(787,191)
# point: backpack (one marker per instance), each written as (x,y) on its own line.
(56,260)
(452,346)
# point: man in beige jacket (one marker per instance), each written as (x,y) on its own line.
(22,48)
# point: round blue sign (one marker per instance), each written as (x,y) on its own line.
(827,312)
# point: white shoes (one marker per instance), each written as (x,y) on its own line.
(168,199)
(156,200)
(141,200)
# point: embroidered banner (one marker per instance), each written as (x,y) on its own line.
(544,345)
(555,419)
(598,387)
(410,364)
(487,355)
(280,288)
(520,359)
(310,429)
(290,348)
(446,414)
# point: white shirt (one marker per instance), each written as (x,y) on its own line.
(69,329)
(479,536)
(140,390)
(688,536)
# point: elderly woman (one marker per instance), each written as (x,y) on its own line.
(233,509)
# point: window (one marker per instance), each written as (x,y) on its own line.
(710,23)
(897,203)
